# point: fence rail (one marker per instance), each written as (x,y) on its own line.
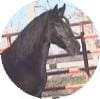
(74,87)
(68,70)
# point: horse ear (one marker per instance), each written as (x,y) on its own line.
(61,11)
(55,8)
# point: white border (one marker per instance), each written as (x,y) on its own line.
(8,89)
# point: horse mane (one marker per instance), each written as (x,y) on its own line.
(30,38)
(25,60)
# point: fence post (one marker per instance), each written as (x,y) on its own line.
(86,64)
(9,41)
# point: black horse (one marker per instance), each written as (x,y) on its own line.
(25,60)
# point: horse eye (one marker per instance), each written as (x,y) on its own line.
(63,20)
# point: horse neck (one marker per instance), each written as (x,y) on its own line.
(31,37)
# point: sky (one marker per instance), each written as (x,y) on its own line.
(17,21)
(20,19)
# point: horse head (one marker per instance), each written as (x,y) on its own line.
(60,31)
